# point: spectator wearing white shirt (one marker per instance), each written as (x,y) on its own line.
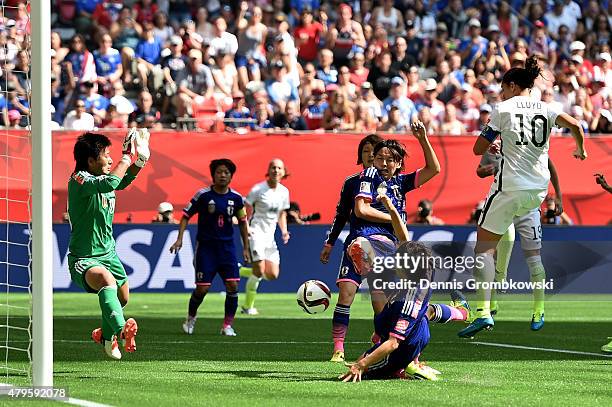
(222,41)
(79,119)
(602,71)
(557,17)
(573,9)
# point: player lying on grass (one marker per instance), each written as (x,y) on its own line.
(403,325)
(92,259)
(529,228)
(215,250)
(524,125)
(348,281)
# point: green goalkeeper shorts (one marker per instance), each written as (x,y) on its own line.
(79,265)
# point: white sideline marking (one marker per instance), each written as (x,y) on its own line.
(83,403)
(572,352)
(70,400)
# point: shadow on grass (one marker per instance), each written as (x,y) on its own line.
(306,339)
(249,374)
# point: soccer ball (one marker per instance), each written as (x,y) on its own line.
(313,296)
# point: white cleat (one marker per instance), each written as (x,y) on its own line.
(228,331)
(249,311)
(188,325)
(111,348)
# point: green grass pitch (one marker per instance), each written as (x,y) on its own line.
(281,357)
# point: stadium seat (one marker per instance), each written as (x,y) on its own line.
(205,114)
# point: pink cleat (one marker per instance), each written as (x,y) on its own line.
(96,335)
(128,334)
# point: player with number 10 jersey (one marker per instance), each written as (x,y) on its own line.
(521,184)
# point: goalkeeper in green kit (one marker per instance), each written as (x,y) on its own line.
(92,260)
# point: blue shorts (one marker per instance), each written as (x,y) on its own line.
(347,272)
(241,60)
(408,350)
(214,257)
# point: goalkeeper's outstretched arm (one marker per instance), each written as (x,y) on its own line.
(136,141)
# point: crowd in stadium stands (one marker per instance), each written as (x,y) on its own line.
(294,65)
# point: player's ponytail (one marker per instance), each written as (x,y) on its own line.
(532,71)
(524,77)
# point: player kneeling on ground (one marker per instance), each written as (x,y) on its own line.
(92,259)
(215,250)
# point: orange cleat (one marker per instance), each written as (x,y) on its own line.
(128,335)
(96,335)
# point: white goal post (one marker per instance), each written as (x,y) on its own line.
(42,256)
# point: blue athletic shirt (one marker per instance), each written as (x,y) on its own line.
(107,64)
(215,212)
(344,209)
(403,312)
(396,188)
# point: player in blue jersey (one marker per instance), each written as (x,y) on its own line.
(403,324)
(215,250)
(348,280)
(370,219)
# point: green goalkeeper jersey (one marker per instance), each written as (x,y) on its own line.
(91,207)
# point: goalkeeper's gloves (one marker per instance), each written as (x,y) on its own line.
(142,147)
(129,143)
(129,146)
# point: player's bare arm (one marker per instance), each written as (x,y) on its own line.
(567,121)
(364,210)
(282,224)
(356,370)
(554,180)
(399,227)
(432,165)
(601,180)
(179,239)
(481,145)
(243,225)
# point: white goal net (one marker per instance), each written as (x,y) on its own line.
(23,42)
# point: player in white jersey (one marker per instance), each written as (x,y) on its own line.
(268,201)
(529,228)
(524,125)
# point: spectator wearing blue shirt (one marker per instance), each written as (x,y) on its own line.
(84,11)
(397,97)
(326,72)
(280,91)
(108,64)
(95,104)
(148,53)
(474,47)
(239,116)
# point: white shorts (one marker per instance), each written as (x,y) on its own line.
(529,229)
(501,207)
(263,246)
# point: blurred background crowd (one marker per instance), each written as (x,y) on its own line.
(309,64)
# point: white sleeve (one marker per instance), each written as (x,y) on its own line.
(553,113)
(253,195)
(233,44)
(494,121)
(286,202)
